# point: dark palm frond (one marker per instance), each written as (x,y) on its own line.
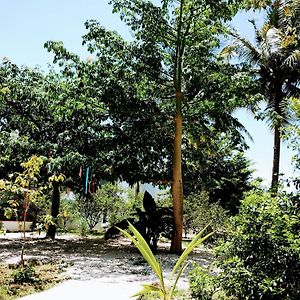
(258,33)
(245,48)
(225,121)
(289,15)
(285,111)
(240,127)
(292,87)
(273,14)
(278,112)
(252,58)
(271,105)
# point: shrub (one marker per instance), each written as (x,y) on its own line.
(198,212)
(261,256)
(25,275)
(111,203)
(202,284)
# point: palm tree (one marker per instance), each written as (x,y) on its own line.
(275,56)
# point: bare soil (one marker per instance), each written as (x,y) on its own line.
(88,258)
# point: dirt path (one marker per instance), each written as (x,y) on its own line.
(96,260)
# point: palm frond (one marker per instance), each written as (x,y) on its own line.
(278,113)
(273,14)
(285,111)
(273,41)
(289,14)
(245,49)
(291,88)
(240,127)
(258,33)
(293,60)
(229,52)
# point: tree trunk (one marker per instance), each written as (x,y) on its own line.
(276,159)
(54,211)
(177,185)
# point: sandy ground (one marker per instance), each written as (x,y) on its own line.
(96,269)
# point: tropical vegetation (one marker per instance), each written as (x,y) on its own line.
(158,109)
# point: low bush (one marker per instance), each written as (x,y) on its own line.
(260,258)
(202,284)
(16,282)
(25,275)
(198,211)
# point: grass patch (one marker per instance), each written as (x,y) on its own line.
(17,282)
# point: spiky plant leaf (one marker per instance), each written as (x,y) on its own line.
(197,240)
(145,250)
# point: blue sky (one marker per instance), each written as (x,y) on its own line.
(25,25)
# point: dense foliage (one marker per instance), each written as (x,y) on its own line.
(260,258)
(198,212)
(293,135)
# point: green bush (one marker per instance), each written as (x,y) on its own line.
(111,203)
(261,256)
(25,275)
(202,284)
(198,211)
(205,286)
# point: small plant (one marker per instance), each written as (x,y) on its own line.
(17,282)
(163,292)
(202,284)
(25,275)
(27,187)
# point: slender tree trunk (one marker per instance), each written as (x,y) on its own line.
(177,184)
(54,210)
(276,159)
(137,189)
(26,208)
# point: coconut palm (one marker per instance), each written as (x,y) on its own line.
(275,56)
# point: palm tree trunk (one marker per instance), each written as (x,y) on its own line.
(276,159)
(177,185)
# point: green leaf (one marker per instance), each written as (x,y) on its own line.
(192,245)
(148,289)
(176,280)
(145,250)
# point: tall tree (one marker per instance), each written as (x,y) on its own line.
(171,57)
(276,58)
(175,31)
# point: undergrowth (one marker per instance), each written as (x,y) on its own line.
(16,281)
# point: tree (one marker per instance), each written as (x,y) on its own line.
(180,36)
(276,56)
(172,57)
(105,205)
(45,115)
(222,172)
(134,134)
(214,143)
